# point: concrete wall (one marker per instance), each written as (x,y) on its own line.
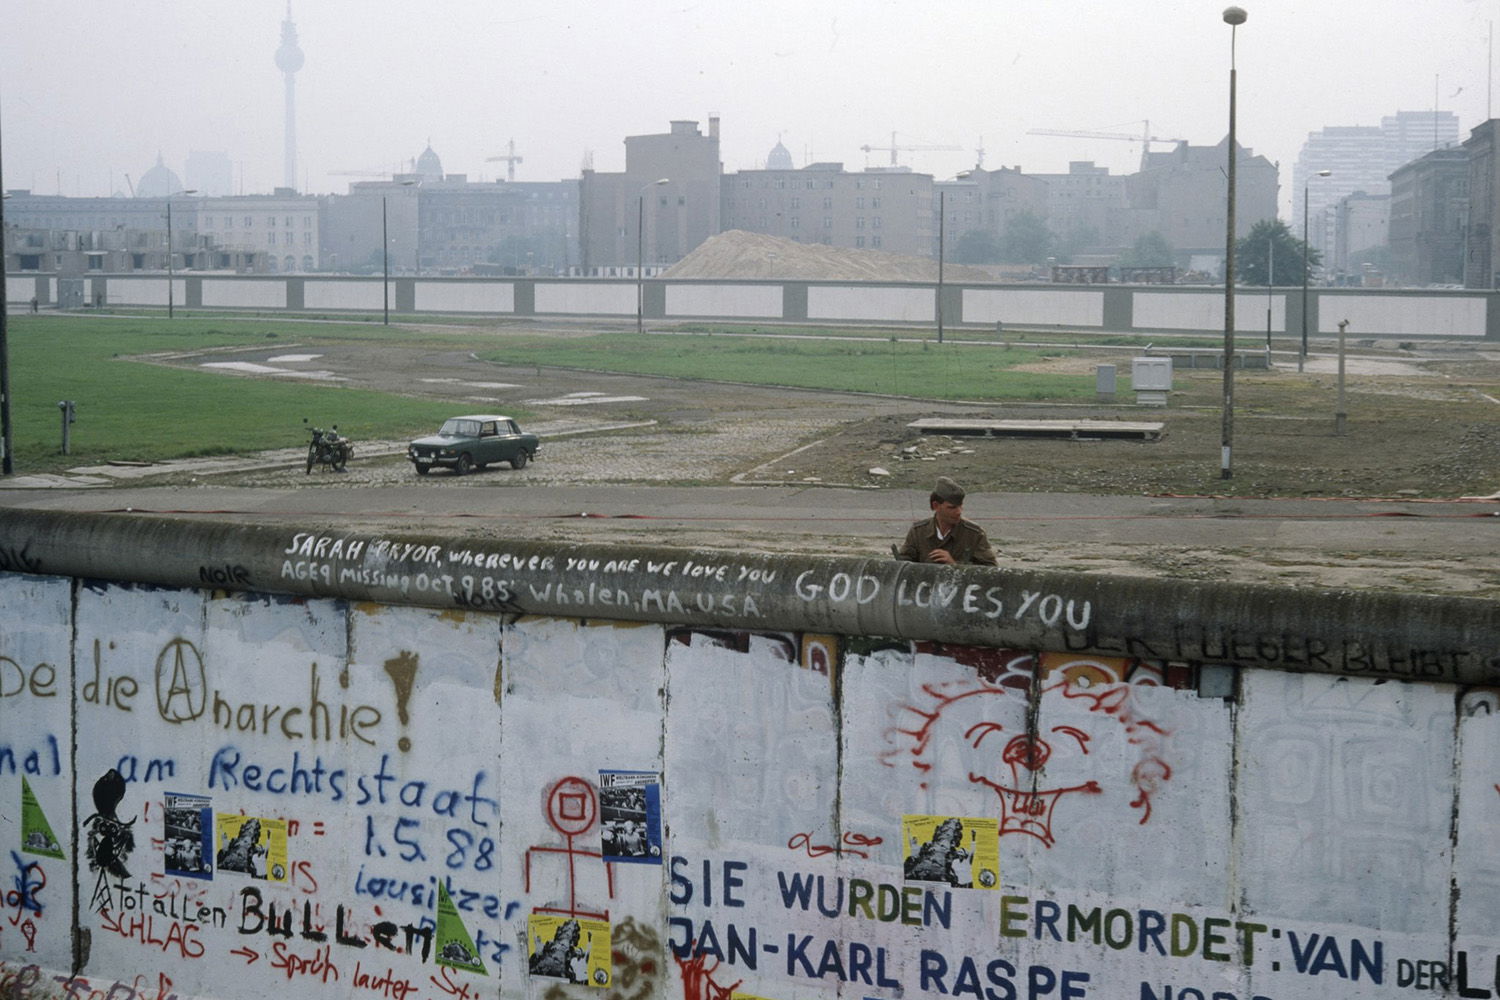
(1161,790)
(1113,308)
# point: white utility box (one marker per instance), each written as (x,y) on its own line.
(1151,378)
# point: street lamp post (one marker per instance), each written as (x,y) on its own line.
(170,290)
(1234,17)
(1306,266)
(640,252)
(385,263)
(942,214)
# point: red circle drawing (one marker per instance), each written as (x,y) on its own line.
(572,806)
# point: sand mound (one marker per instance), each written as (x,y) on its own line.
(738,254)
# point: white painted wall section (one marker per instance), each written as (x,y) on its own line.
(244,294)
(585,298)
(1416,315)
(1205,311)
(450,296)
(1051,308)
(737,301)
(145,291)
(896,305)
(345,295)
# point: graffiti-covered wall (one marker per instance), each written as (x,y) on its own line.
(269,783)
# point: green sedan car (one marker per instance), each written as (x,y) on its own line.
(464,444)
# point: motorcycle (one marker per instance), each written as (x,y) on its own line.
(328,449)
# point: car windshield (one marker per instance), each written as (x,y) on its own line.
(460,428)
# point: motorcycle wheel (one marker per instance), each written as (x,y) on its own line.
(312,455)
(341,458)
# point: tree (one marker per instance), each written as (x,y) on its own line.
(1271,239)
(1026,240)
(1150,250)
(976,246)
(1079,237)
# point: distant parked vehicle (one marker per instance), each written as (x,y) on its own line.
(464,444)
(328,449)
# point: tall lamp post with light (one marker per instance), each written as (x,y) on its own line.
(170,282)
(1306,186)
(640,251)
(1234,17)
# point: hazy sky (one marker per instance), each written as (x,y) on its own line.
(91,90)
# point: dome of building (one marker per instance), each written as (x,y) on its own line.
(429,166)
(779,158)
(158,182)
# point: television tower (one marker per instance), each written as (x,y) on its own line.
(289,61)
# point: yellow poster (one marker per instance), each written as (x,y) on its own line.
(573,949)
(251,845)
(961,851)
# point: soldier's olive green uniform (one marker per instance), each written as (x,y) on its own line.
(966,543)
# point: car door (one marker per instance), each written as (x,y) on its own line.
(489,447)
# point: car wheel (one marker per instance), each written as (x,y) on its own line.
(519,462)
(465,465)
(422,470)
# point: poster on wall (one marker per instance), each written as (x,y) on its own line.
(630,816)
(187,835)
(253,846)
(961,851)
(453,946)
(36,832)
(568,948)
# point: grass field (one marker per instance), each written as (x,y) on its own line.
(132,410)
(946,371)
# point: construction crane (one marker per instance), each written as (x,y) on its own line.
(894,148)
(510,158)
(1145,138)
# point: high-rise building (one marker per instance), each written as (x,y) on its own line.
(665,203)
(1429,213)
(1361,158)
(886,209)
(1483,248)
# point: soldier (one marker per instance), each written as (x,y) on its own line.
(946,537)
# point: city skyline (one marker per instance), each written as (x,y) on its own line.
(90,93)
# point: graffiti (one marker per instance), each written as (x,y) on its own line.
(387,984)
(40,680)
(110,840)
(572,809)
(27,883)
(33,761)
(1026,808)
(118,690)
(167,935)
(181,682)
(698,979)
(402,670)
(260,917)
(850,844)
(223,575)
(636,958)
